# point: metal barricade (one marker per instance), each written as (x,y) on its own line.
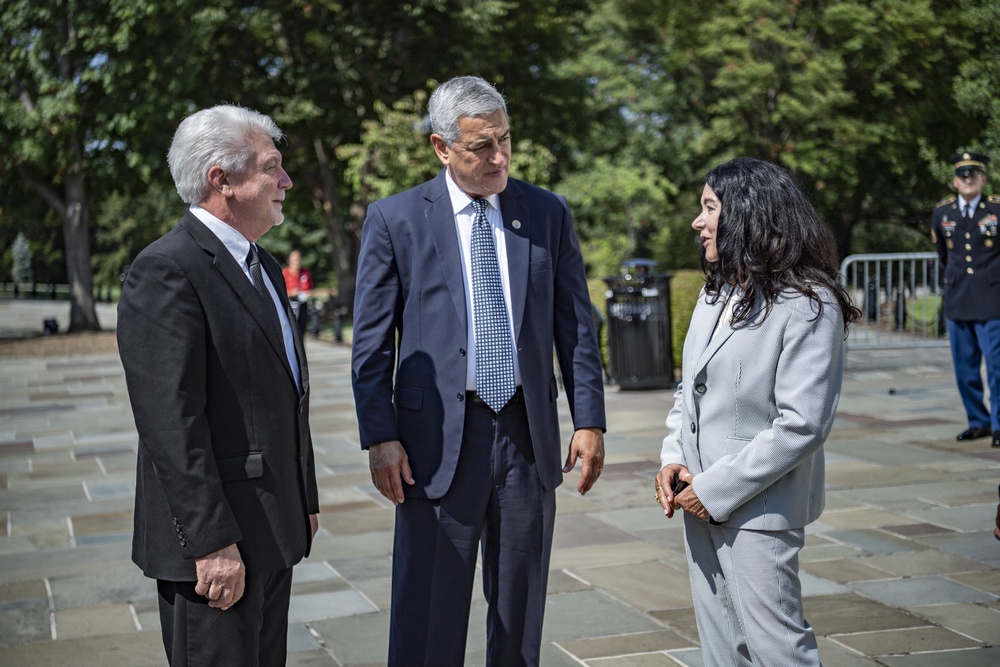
(900,299)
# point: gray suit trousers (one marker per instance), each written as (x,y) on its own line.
(747,596)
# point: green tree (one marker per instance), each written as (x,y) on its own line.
(126,222)
(978,79)
(324,69)
(838,92)
(84,85)
(618,209)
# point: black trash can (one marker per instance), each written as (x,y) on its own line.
(640,350)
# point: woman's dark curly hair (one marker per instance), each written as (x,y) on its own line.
(770,239)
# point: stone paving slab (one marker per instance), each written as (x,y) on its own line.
(908,640)
(136,649)
(909,592)
(849,613)
(842,571)
(971,620)
(901,569)
(989,657)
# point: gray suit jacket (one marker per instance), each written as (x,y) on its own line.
(753,409)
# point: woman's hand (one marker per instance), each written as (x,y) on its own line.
(666,482)
(688,501)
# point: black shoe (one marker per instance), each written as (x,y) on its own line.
(975,434)
(996,439)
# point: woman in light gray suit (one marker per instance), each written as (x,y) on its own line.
(762,368)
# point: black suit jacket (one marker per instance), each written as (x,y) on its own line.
(225,453)
(410,307)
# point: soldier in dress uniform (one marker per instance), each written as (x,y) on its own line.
(967,237)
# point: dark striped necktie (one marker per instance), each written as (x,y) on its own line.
(253,261)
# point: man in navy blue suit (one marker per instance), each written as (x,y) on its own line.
(466,470)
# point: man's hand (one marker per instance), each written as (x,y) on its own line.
(587,445)
(221,577)
(389,464)
(665,481)
(313,525)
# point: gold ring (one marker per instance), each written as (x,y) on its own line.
(656,497)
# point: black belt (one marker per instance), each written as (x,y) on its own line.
(474,398)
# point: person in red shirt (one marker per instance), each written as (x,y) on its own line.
(298,285)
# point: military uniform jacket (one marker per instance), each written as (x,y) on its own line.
(970,255)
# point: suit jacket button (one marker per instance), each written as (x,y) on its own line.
(461,397)
(461,351)
(693,429)
(700,387)
(184,543)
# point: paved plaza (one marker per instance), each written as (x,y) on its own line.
(901,570)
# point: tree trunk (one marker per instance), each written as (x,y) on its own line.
(82,309)
(340,234)
(76,238)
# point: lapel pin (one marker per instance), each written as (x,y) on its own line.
(516,224)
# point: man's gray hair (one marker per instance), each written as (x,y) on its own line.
(462,97)
(221,135)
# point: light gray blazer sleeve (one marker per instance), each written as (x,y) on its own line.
(756,405)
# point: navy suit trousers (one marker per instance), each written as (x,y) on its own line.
(495,504)
(971,342)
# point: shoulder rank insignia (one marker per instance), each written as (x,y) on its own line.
(993,199)
(947,201)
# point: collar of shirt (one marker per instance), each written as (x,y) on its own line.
(235,243)
(460,200)
(972,204)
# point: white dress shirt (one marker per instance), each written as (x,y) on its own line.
(972,205)
(461,204)
(239,247)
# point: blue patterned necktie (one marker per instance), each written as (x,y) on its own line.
(491,326)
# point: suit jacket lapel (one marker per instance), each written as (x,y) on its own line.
(725,332)
(440,221)
(703,323)
(273,270)
(517,238)
(233,273)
